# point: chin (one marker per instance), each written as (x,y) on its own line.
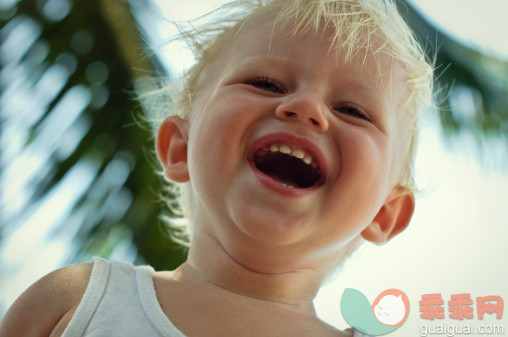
(270,227)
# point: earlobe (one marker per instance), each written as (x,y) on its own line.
(171,147)
(392,218)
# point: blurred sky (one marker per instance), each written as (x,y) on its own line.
(480,24)
(457,239)
(456,242)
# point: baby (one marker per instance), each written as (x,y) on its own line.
(294,143)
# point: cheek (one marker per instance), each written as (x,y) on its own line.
(403,151)
(359,190)
(226,119)
(225,113)
(217,132)
(211,127)
(364,154)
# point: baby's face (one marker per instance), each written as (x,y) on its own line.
(292,152)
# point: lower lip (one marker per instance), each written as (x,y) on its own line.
(278,187)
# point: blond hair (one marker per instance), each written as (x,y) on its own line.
(367,26)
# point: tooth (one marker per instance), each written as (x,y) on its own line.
(286,185)
(307,160)
(298,154)
(285,149)
(274,148)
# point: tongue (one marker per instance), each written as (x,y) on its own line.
(284,181)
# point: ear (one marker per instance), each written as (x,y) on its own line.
(171,147)
(392,218)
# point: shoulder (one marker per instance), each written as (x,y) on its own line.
(39,309)
(326,329)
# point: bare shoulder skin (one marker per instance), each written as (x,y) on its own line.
(48,305)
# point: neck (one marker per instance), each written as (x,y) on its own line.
(210,263)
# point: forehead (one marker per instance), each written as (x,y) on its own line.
(263,41)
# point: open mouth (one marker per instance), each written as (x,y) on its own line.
(289,165)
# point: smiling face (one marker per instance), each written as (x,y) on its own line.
(390,310)
(292,152)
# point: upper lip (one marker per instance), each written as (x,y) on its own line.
(290,139)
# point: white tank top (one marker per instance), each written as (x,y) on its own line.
(120,300)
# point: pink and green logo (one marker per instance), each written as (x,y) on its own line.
(388,311)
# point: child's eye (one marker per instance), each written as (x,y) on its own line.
(267,84)
(351,110)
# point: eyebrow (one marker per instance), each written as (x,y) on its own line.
(372,91)
(277,60)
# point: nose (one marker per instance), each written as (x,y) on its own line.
(305,109)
